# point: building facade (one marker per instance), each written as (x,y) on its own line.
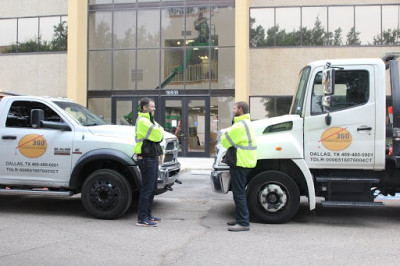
(195,58)
(33,47)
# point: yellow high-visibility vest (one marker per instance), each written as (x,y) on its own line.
(145,129)
(241,135)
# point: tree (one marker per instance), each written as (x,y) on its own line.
(353,37)
(257,35)
(60,37)
(269,106)
(337,38)
(318,33)
(271,36)
(389,37)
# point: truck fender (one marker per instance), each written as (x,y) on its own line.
(309,179)
(103,154)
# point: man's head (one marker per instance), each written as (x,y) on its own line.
(240,108)
(147,105)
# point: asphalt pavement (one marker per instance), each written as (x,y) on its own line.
(38,230)
(195,163)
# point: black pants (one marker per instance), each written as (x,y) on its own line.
(149,170)
(238,184)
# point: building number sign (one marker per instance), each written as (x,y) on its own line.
(172,92)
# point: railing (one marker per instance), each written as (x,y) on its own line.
(194,73)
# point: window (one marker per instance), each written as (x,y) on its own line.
(325,25)
(288,21)
(314,26)
(124,74)
(99,70)
(20,114)
(148,28)
(100,30)
(49,37)
(368,23)
(125,29)
(390,27)
(28,35)
(351,89)
(38,34)
(222,26)
(8,29)
(269,106)
(179,45)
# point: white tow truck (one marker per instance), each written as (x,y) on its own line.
(336,143)
(56,147)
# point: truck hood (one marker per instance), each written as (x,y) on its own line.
(260,125)
(118,131)
(282,138)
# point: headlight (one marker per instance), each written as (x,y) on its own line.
(220,153)
(219,134)
(220,159)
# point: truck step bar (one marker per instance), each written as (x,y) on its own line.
(347,180)
(338,204)
(42,192)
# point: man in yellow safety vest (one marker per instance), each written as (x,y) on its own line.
(240,136)
(149,134)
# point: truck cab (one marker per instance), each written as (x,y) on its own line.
(332,144)
(56,147)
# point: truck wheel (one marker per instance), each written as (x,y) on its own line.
(273,197)
(106,194)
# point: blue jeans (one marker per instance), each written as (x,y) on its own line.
(238,184)
(149,170)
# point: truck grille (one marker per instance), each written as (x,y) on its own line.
(171,151)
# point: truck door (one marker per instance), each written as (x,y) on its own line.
(34,156)
(349,140)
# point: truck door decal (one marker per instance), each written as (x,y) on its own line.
(32,145)
(336,139)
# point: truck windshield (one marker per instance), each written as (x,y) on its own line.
(82,115)
(298,99)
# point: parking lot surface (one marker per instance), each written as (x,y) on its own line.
(52,231)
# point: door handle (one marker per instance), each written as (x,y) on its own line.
(9,137)
(364,128)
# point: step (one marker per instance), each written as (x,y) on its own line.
(42,192)
(348,179)
(338,204)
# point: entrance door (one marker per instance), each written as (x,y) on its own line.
(188,118)
(124,110)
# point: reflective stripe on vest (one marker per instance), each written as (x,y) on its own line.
(250,147)
(148,131)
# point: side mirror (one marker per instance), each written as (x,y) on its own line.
(328,81)
(37,121)
(37,116)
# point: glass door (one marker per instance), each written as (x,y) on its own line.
(124,110)
(188,118)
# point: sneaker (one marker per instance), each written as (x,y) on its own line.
(146,223)
(238,228)
(231,223)
(154,219)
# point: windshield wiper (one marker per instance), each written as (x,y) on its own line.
(90,125)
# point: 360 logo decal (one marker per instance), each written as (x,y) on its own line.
(336,139)
(32,145)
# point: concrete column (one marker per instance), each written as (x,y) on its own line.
(77,51)
(242,82)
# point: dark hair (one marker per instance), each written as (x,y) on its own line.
(145,102)
(244,106)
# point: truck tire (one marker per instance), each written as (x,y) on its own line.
(106,194)
(273,197)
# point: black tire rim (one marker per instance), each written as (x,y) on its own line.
(104,195)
